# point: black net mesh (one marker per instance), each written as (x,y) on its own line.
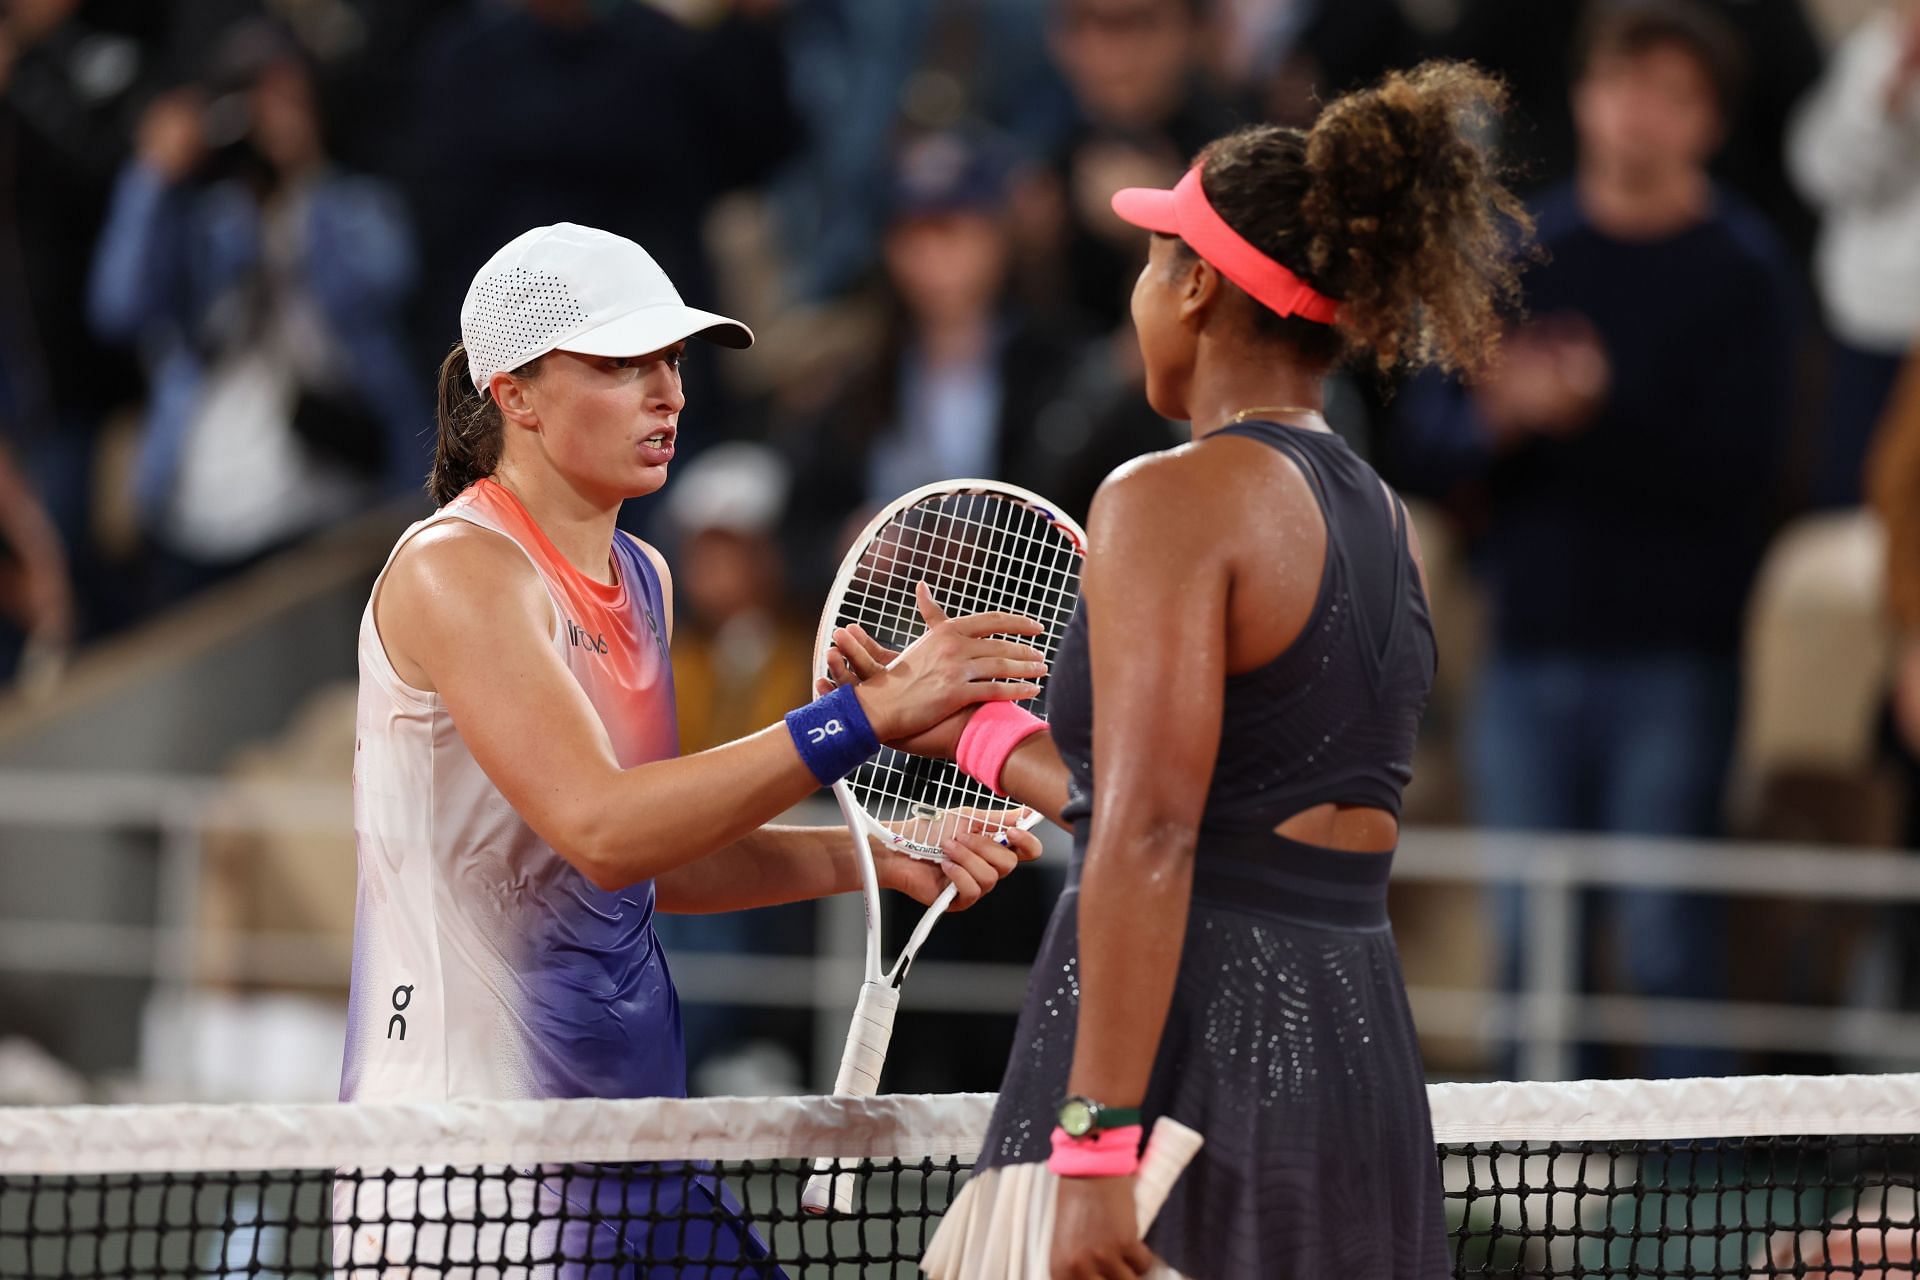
(705,1221)
(1741,1207)
(1805,1206)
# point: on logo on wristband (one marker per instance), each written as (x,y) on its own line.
(832,735)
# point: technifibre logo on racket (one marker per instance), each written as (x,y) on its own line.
(821,732)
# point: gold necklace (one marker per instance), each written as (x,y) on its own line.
(1268,411)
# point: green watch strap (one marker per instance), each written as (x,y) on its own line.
(1080,1116)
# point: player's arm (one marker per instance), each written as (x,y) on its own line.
(1034,775)
(1156,586)
(464,615)
(777,864)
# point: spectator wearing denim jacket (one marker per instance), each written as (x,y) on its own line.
(267,298)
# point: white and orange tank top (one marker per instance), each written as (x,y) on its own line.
(484,964)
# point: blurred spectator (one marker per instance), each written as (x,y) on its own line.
(852,61)
(864,71)
(1893,487)
(1855,152)
(966,376)
(1625,450)
(1528,43)
(364,55)
(66,81)
(369,54)
(615,116)
(265,288)
(1135,70)
(1289,56)
(740,653)
(36,595)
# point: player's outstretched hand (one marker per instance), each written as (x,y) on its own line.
(856,658)
(976,857)
(955,663)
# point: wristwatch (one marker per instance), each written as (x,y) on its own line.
(1080,1116)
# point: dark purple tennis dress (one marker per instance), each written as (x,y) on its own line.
(1289,1044)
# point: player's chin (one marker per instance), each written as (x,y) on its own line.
(647,478)
(1162,401)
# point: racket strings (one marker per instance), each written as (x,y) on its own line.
(971,564)
(977,553)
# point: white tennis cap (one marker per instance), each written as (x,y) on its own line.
(573,288)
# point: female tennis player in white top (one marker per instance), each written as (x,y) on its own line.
(519,805)
(520,808)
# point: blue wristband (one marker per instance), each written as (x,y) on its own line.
(832,735)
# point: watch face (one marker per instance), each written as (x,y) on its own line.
(1076,1117)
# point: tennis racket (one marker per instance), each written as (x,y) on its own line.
(980,546)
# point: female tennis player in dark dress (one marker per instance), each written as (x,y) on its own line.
(1233,720)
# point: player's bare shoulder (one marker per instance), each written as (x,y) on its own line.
(1137,487)
(1194,490)
(454,583)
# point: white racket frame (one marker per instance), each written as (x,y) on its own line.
(873,1013)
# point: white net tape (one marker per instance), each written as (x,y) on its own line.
(183,1138)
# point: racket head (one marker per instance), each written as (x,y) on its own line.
(980,546)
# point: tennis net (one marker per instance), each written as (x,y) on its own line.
(1765,1176)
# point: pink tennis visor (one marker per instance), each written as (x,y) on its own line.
(1185,212)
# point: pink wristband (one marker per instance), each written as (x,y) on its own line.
(1110,1153)
(990,737)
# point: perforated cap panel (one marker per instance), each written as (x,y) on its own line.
(515,315)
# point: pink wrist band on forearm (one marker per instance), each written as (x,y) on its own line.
(1110,1153)
(990,737)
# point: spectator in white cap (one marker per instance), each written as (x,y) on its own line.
(522,808)
(743,648)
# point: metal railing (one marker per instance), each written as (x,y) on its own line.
(1546,1017)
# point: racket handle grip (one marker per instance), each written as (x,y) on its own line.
(859,1077)
(867,1040)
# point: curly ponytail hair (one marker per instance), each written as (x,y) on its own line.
(469,429)
(1393,204)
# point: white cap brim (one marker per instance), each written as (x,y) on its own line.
(648,329)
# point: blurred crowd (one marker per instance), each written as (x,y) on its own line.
(234,235)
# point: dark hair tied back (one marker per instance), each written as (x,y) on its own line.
(1392,203)
(470,431)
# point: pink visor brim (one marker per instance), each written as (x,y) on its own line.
(1186,212)
(1148,208)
